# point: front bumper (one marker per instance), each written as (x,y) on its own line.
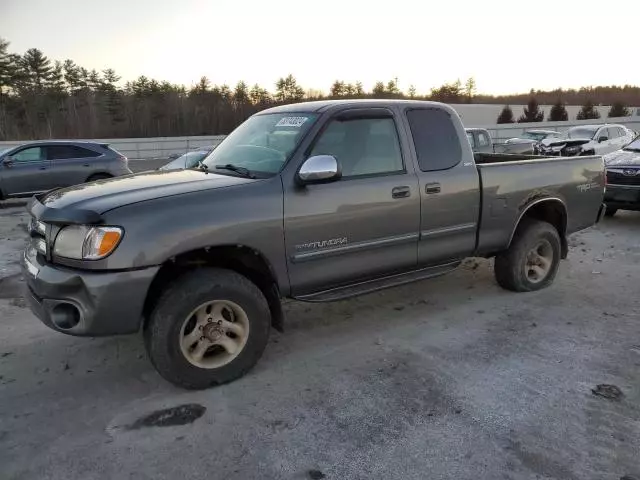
(624,197)
(85,303)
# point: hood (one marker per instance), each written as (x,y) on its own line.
(570,142)
(103,195)
(622,158)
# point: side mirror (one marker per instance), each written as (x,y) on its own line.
(319,169)
(602,139)
(7,161)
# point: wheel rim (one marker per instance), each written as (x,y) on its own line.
(538,262)
(214,334)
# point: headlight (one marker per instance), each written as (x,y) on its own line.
(84,242)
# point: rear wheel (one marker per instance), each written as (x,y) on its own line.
(532,260)
(210,327)
(610,211)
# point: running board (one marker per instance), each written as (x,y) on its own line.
(369,286)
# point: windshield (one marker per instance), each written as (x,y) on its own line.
(634,146)
(263,143)
(535,135)
(582,132)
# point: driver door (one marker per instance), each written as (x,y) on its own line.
(363,225)
(26,171)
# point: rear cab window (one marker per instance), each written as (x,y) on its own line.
(435,138)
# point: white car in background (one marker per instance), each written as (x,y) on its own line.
(587,140)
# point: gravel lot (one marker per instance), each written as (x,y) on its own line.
(451,378)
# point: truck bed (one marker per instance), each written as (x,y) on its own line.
(510,183)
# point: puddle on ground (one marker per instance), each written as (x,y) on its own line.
(11,286)
(169,417)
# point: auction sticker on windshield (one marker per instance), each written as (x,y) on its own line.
(291,122)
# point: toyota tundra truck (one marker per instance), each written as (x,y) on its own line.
(316,202)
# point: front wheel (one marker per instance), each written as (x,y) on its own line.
(210,327)
(532,260)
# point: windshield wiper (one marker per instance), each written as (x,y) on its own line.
(245,172)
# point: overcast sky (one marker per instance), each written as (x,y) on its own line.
(507,45)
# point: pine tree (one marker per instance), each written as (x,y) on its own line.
(470,89)
(288,90)
(588,112)
(558,112)
(532,112)
(37,69)
(412,91)
(506,115)
(8,67)
(337,89)
(378,89)
(619,109)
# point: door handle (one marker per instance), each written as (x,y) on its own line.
(430,188)
(401,192)
(43,168)
(86,165)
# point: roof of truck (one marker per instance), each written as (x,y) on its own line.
(323,105)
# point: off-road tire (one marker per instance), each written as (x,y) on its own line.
(162,333)
(509,267)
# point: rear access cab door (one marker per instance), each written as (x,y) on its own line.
(449,184)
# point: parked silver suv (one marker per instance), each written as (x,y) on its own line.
(38,167)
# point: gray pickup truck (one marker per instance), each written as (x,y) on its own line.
(316,201)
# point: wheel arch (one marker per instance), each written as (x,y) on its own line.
(242,259)
(552,210)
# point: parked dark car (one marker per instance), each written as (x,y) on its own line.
(316,201)
(623,179)
(188,160)
(37,167)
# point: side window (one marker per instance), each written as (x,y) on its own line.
(61,152)
(362,146)
(31,154)
(483,140)
(435,138)
(472,140)
(612,133)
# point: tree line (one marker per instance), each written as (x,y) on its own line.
(41,98)
(558,113)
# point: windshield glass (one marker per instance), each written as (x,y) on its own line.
(263,143)
(535,135)
(634,146)
(582,132)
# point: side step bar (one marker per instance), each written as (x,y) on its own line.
(360,288)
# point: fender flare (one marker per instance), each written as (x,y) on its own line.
(562,231)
